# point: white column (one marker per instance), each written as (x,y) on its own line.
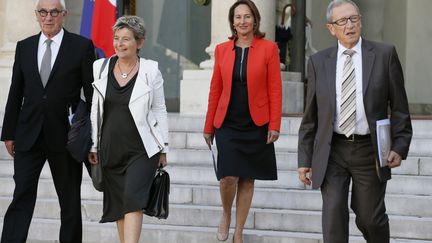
(17,21)
(196,83)
(220,30)
(267,9)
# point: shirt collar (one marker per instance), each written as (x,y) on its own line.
(356,48)
(254,41)
(56,39)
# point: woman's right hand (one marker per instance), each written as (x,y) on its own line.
(208,137)
(93,158)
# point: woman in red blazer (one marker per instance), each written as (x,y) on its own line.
(244,113)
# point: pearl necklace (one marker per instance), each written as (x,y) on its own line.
(125,75)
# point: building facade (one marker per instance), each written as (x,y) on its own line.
(182,34)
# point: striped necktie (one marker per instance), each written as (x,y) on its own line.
(347,116)
(46,63)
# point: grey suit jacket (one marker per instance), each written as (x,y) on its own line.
(383,95)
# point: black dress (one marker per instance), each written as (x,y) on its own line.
(127,170)
(242,148)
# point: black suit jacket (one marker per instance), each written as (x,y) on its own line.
(383,95)
(32,108)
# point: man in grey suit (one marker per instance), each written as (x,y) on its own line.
(351,86)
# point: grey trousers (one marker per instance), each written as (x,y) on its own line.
(353,161)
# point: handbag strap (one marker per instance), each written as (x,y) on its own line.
(103,66)
(98,122)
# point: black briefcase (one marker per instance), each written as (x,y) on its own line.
(158,203)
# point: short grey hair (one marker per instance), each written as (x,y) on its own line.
(62,3)
(336,3)
(133,23)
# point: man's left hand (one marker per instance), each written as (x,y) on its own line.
(163,160)
(394,160)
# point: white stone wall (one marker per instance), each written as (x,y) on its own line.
(17,21)
(73,20)
(418,71)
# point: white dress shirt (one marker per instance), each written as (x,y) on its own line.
(362,126)
(55,47)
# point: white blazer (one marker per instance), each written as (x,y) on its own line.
(146,104)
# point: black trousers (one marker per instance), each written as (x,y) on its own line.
(66,174)
(353,161)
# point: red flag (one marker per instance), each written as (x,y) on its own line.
(104,17)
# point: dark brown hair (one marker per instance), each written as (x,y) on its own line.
(256,16)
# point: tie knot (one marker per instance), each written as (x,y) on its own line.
(48,42)
(349,52)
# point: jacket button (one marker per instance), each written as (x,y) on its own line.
(44,97)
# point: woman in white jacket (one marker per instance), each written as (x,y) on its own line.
(129,127)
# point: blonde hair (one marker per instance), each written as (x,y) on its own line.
(133,23)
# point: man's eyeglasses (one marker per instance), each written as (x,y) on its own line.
(53,13)
(344,21)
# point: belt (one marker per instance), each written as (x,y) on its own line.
(352,137)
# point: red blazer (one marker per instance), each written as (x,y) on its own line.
(263,82)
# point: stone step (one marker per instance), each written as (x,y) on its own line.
(287,179)
(46,231)
(400,184)
(202,157)
(258,219)
(285,161)
(288,161)
(286,143)
(289,125)
(310,200)
(184,134)
(195,140)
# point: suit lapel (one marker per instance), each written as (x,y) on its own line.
(330,68)
(142,85)
(34,58)
(368,59)
(64,46)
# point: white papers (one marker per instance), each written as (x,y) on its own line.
(70,115)
(383,130)
(213,150)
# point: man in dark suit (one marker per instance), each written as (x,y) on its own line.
(49,71)
(351,87)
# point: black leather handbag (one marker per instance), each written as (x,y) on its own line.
(97,177)
(96,170)
(158,203)
(79,135)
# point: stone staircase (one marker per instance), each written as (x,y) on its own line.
(283,211)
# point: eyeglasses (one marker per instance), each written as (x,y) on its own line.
(53,13)
(344,21)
